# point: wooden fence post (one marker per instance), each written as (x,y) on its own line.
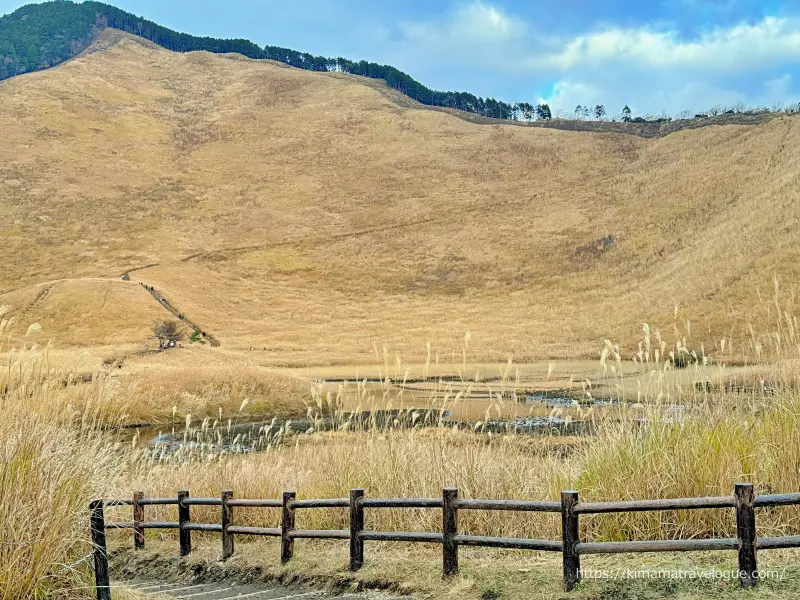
(227,520)
(138,518)
(184,518)
(569,537)
(449,531)
(356,527)
(746,532)
(98,527)
(287,525)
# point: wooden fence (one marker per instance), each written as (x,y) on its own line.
(743,501)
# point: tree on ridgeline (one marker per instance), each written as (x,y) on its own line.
(599,112)
(626,114)
(543,112)
(528,111)
(39,36)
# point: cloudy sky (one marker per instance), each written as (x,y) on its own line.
(656,55)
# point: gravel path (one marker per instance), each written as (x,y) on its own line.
(264,591)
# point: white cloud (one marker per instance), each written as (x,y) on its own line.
(474,22)
(483,21)
(739,47)
(482,48)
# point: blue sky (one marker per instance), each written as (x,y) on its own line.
(657,55)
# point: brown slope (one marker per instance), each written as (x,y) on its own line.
(318,215)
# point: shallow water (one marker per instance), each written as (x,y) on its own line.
(257,436)
(553,400)
(549,413)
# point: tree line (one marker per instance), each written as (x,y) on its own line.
(39,36)
(393,77)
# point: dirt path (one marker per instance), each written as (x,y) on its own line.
(158,297)
(257,591)
(48,286)
(235,250)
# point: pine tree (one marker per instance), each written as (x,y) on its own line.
(626,114)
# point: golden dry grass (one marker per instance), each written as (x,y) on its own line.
(51,436)
(53,460)
(312,203)
(704,455)
(305,220)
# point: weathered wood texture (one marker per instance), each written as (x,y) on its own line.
(227,521)
(138,518)
(449,532)
(287,526)
(98,531)
(743,501)
(184,519)
(746,533)
(356,529)
(569,536)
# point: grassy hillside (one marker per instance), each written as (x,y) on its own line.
(39,36)
(309,215)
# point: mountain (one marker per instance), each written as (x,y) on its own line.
(39,36)
(313,214)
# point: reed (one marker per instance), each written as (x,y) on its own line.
(673,438)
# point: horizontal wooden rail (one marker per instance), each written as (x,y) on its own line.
(325,503)
(401,536)
(201,502)
(777,500)
(321,534)
(265,531)
(212,527)
(743,501)
(157,501)
(511,543)
(649,505)
(787,541)
(401,503)
(657,546)
(515,505)
(253,503)
(160,525)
